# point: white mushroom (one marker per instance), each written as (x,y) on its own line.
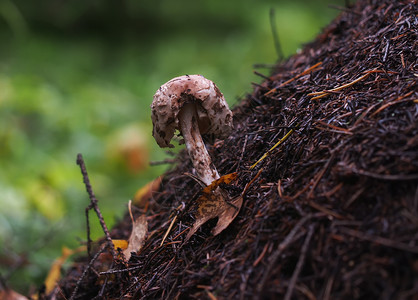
(193,105)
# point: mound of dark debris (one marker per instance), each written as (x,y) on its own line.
(331,213)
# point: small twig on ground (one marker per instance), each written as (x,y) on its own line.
(275,77)
(77,286)
(321,94)
(93,205)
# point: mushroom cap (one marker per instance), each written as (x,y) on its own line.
(213,112)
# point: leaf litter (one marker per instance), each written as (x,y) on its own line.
(138,234)
(215,202)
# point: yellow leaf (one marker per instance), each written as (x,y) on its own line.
(122,244)
(143,195)
(55,271)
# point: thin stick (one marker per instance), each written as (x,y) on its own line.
(276,40)
(325,210)
(77,286)
(89,241)
(120,271)
(260,257)
(320,174)
(100,295)
(307,71)
(93,205)
(336,128)
(324,93)
(243,150)
(247,186)
(379,240)
(168,230)
(299,265)
(400,99)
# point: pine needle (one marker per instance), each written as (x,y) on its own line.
(272,148)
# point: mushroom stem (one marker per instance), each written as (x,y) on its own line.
(201,160)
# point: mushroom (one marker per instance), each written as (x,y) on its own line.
(193,105)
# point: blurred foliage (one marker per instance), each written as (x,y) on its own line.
(78,76)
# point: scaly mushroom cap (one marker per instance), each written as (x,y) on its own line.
(215,117)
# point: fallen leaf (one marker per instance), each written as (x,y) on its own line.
(9,294)
(144,194)
(54,273)
(121,244)
(226,179)
(215,202)
(138,234)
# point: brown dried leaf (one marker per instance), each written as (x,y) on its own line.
(138,234)
(215,202)
(144,194)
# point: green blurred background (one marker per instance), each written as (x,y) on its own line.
(79,76)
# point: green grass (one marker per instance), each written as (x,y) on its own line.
(63,94)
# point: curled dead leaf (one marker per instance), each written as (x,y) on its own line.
(215,202)
(138,234)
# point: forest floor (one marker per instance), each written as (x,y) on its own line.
(330,213)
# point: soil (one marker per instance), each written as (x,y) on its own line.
(330,213)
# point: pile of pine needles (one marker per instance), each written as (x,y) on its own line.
(332,210)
